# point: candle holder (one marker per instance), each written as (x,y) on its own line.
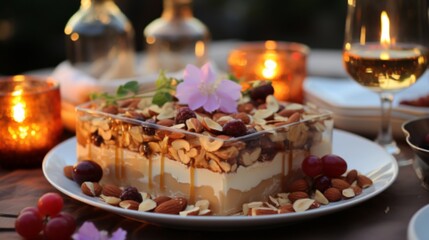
(283,63)
(30,117)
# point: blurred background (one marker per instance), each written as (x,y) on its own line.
(32,32)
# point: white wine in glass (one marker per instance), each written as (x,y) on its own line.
(386,50)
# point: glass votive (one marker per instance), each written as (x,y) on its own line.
(30,118)
(282,63)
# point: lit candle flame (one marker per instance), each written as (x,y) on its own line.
(270,65)
(270,69)
(385,34)
(18,107)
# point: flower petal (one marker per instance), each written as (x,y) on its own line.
(196,100)
(208,75)
(228,105)
(183,92)
(212,103)
(229,89)
(87,231)
(119,234)
(192,75)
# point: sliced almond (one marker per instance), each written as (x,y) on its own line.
(250,156)
(110,200)
(348,193)
(129,204)
(184,158)
(202,204)
(302,205)
(92,189)
(211,125)
(181,144)
(210,144)
(320,198)
(147,205)
(263,211)
(190,212)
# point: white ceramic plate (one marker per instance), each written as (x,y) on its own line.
(351,103)
(418,226)
(368,158)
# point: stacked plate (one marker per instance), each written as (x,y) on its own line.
(357,109)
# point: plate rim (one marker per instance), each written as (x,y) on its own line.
(411,231)
(213,222)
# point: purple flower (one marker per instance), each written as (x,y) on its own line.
(200,88)
(88,231)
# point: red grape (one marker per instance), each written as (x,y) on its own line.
(312,166)
(29,224)
(50,204)
(87,171)
(333,165)
(59,227)
(31,209)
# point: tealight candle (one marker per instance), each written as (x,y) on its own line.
(30,118)
(282,63)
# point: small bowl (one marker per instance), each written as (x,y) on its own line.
(415,131)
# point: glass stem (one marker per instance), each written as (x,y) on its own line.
(385,137)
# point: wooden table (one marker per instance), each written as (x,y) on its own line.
(385,216)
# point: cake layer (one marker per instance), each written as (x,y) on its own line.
(162,176)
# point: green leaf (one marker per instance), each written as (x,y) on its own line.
(161,97)
(131,87)
(162,81)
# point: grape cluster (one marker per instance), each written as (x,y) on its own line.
(323,169)
(46,219)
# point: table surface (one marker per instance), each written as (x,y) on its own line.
(385,216)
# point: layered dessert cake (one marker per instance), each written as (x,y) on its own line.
(229,155)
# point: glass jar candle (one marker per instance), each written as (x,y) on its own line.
(30,117)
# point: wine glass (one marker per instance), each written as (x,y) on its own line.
(386,50)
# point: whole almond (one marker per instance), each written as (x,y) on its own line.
(172,206)
(333,194)
(161,199)
(287,208)
(166,122)
(357,190)
(340,184)
(68,172)
(111,190)
(299,185)
(293,196)
(92,189)
(351,176)
(364,181)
